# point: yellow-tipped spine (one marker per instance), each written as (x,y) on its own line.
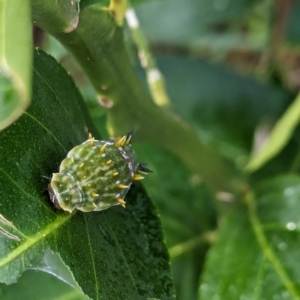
(102,149)
(122,186)
(122,202)
(137,177)
(121,142)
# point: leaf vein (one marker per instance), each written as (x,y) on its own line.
(46,129)
(33,240)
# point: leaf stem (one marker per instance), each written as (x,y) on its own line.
(155,79)
(279,137)
(206,238)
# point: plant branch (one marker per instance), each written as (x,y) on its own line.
(97,44)
(208,237)
(155,79)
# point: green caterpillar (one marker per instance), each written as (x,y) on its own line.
(96,175)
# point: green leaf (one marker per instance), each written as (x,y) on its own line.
(279,137)
(15,59)
(41,286)
(218,93)
(257,251)
(117,253)
(187,213)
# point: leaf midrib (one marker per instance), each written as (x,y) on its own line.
(33,240)
(92,258)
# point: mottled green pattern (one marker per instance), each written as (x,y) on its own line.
(92,177)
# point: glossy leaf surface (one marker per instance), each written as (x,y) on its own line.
(114,253)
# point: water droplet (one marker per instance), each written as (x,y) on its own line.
(291,226)
(289,192)
(282,246)
(204,287)
(225,197)
(232,290)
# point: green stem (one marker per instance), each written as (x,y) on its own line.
(97,44)
(279,137)
(66,14)
(155,79)
(179,249)
(118,8)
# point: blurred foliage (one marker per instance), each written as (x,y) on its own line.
(231,69)
(183,221)
(266,237)
(15,60)
(220,76)
(46,287)
(229,109)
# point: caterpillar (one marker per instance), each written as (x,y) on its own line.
(96,175)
